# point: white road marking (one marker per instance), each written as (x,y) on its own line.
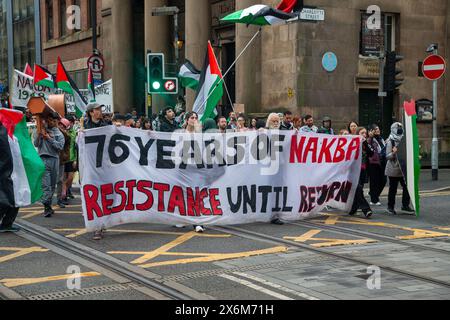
(276,286)
(256,287)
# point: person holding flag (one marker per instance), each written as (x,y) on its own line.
(50,142)
(21,169)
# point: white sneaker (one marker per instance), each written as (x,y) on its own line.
(180,226)
(375,204)
(199,229)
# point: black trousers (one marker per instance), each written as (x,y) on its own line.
(393,186)
(7,216)
(377,182)
(360,201)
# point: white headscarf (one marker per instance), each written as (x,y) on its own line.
(395,136)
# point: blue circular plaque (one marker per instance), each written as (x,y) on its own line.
(329,61)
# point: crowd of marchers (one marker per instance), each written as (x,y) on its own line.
(56,145)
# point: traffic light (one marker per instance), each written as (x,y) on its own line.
(157,81)
(391,83)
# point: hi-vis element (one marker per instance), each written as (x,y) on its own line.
(157,81)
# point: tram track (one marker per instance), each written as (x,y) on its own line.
(372,236)
(115,269)
(248,234)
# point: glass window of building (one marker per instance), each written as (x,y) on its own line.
(80,77)
(62,18)
(23,33)
(383,39)
(89,20)
(3,44)
(49,9)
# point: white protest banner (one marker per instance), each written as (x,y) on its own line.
(22,89)
(134,176)
(103,95)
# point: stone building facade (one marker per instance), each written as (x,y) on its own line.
(73,46)
(282,69)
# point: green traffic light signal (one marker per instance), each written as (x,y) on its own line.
(157,81)
(156,85)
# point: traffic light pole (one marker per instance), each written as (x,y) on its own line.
(381,93)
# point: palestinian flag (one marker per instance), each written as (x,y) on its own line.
(43,77)
(91,86)
(189,75)
(409,156)
(66,84)
(62,78)
(28,71)
(210,85)
(260,15)
(289,6)
(21,167)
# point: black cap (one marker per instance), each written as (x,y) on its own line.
(54,115)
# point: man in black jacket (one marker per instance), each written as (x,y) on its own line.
(168,123)
(286,124)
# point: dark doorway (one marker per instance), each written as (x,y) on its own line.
(228,57)
(372,110)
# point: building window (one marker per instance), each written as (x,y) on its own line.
(62,17)
(49,10)
(78,4)
(24,33)
(80,77)
(89,20)
(374,41)
(3,45)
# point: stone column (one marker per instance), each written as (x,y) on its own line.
(122,55)
(248,68)
(157,39)
(198,27)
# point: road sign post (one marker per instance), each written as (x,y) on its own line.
(434,68)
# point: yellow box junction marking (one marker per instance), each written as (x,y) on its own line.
(32,212)
(79,232)
(11,283)
(19,252)
(198,257)
(333,219)
(326,242)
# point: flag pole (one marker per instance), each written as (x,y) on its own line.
(231,67)
(228,94)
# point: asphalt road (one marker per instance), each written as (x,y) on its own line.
(233,264)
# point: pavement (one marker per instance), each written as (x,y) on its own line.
(227,265)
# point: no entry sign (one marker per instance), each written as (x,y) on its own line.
(434,67)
